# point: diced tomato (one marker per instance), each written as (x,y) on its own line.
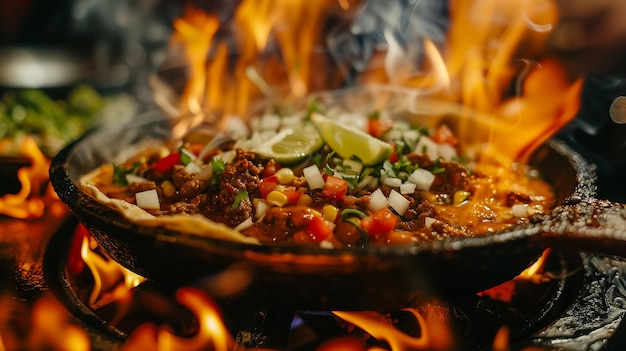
(271,167)
(266,185)
(394,156)
(378,126)
(318,229)
(380,222)
(443,135)
(195,148)
(166,163)
(292,195)
(335,188)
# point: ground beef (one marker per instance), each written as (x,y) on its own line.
(242,175)
(141,186)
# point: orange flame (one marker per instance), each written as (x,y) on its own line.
(505,291)
(489,64)
(30,202)
(212,333)
(227,74)
(435,333)
(107,275)
(48,326)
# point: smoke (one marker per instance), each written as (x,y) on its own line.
(397,27)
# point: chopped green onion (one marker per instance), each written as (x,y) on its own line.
(352,212)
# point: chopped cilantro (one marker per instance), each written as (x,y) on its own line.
(437,167)
(373,115)
(119,173)
(241,195)
(218,166)
(185,156)
(313,106)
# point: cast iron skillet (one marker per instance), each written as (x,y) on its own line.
(307,278)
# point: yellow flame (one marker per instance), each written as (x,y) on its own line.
(51,328)
(29,202)
(274,51)
(435,334)
(107,275)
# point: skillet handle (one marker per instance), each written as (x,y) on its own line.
(587,226)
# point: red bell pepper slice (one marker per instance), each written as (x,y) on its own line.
(166,163)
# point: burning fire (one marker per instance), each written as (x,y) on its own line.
(112,282)
(35,192)
(279,50)
(44,326)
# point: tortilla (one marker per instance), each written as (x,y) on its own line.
(181,223)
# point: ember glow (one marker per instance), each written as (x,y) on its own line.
(35,192)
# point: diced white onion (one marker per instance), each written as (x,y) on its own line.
(428,222)
(373,184)
(411,136)
(205,173)
(193,168)
(520,211)
(446,151)
(378,200)
(245,224)
(364,182)
(236,126)
(330,225)
(325,244)
(148,199)
(260,207)
(422,178)
(269,121)
(426,145)
(398,202)
(227,156)
(133,178)
(353,166)
(392,182)
(407,188)
(313,177)
(393,134)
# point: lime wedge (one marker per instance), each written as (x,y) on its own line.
(350,142)
(291,145)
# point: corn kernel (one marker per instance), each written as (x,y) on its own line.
(276,198)
(284,175)
(305,200)
(430,197)
(168,188)
(329,213)
(460,197)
